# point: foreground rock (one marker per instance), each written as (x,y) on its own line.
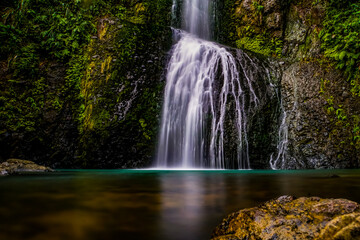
(291,218)
(14,166)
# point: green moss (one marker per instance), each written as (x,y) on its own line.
(260,44)
(246,29)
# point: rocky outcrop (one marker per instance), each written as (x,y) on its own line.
(17,166)
(294,218)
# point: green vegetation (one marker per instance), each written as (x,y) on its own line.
(341,39)
(34,35)
(73,64)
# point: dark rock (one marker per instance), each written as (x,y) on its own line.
(291,218)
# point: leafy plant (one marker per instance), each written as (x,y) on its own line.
(341,39)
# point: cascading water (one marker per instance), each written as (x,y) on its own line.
(207,86)
(196,19)
(278,161)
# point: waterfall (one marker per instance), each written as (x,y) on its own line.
(209,88)
(196,19)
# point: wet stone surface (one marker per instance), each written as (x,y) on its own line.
(288,217)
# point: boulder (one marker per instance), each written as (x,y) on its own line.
(15,166)
(288,217)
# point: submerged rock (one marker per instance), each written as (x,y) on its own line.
(294,218)
(14,166)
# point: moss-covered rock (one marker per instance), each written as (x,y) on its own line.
(293,218)
(82,85)
(344,227)
(17,166)
(274,28)
(121,93)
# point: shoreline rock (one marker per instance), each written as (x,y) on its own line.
(288,217)
(17,166)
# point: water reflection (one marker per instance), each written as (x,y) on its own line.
(187,200)
(126,204)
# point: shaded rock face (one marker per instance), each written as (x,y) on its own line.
(16,166)
(122,94)
(314,136)
(263,122)
(291,218)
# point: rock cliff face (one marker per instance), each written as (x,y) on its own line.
(317,103)
(316,138)
(291,218)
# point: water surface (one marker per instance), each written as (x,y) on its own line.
(149,204)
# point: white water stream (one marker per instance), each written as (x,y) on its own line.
(202,79)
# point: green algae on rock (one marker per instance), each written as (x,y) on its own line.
(288,217)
